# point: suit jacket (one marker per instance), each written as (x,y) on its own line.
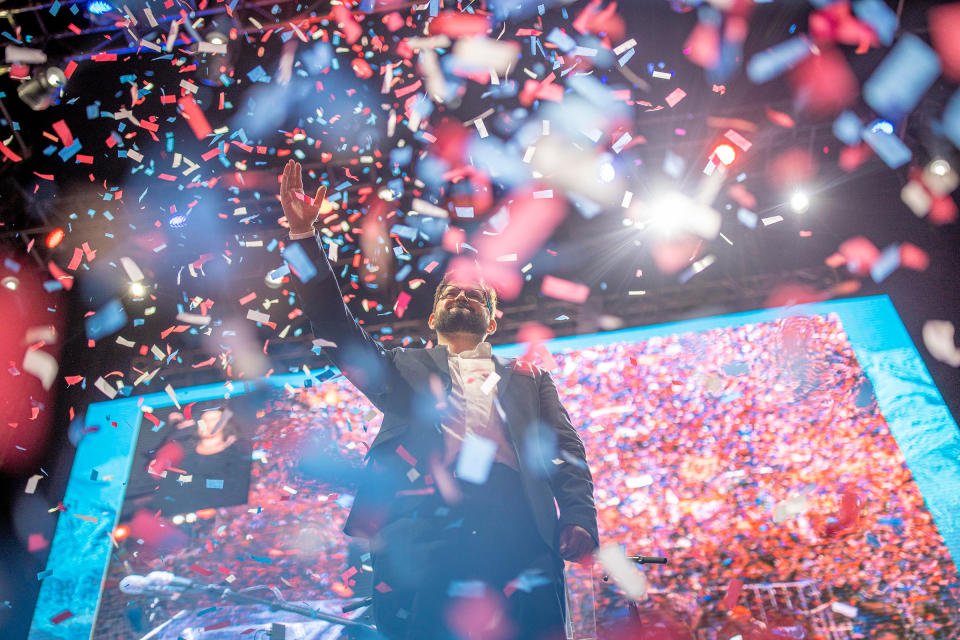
(409,387)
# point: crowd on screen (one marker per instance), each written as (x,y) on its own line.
(693,440)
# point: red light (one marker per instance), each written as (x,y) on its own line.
(725,154)
(55,237)
(121,532)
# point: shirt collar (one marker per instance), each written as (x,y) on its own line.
(483,350)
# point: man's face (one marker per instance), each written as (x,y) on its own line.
(207,425)
(462,308)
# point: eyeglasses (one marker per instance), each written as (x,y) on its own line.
(474,295)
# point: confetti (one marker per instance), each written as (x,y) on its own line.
(622,571)
(904,75)
(475,458)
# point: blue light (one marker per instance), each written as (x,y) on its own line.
(99,7)
(882,126)
(177,221)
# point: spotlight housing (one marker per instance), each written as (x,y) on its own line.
(43,89)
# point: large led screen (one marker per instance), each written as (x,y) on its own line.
(796,466)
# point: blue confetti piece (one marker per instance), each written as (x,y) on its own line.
(770,63)
(951,119)
(897,84)
(12,265)
(888,146)
(68,152)
(747,218)
(879,17)
(214,483)
(299,262)
(847,128)
(464,212)
(563,41)
(886,264)
(108,320)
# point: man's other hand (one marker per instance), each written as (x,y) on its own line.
(300,210)
(575,543)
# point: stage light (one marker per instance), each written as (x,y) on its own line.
(725,153)
(882,126)
(43,89)
(799,202)
(939,167)
(54,238)
(177,519)
(121,532)
(137,290)
(10,282)
(98,7)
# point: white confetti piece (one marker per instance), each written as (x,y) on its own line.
(32,483)
(257,316)
(844,609)
(42,365)
(938,338)
(194,318)
(476,458)
(219,48)
(173,394)
(622,571)
(105,388)
(133,271)
(789,508)
(490,383)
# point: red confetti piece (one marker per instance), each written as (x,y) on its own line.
(913,257)
(194,116)
(824,84)
(860,254)
(564,289)
(780,119)
(944,24)
(675,96)
(63,132)
(60,617)
(457,25)
(10,155)
(733,594)
(403,453)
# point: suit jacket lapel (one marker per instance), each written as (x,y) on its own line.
(504,369)
(439,355)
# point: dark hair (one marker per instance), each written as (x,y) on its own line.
(451,276)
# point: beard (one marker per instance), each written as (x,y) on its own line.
(461,319)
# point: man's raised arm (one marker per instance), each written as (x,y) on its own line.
(363,360)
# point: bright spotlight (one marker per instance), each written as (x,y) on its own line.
(137,290)
(939,167)
(725,153)
(882,126)
(98,7)
(10,282)
(54,238)
(799,202)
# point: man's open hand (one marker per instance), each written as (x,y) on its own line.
(300,210)
(575,543)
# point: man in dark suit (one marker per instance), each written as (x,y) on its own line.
(476,487)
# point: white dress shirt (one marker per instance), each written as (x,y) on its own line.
(473,390)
